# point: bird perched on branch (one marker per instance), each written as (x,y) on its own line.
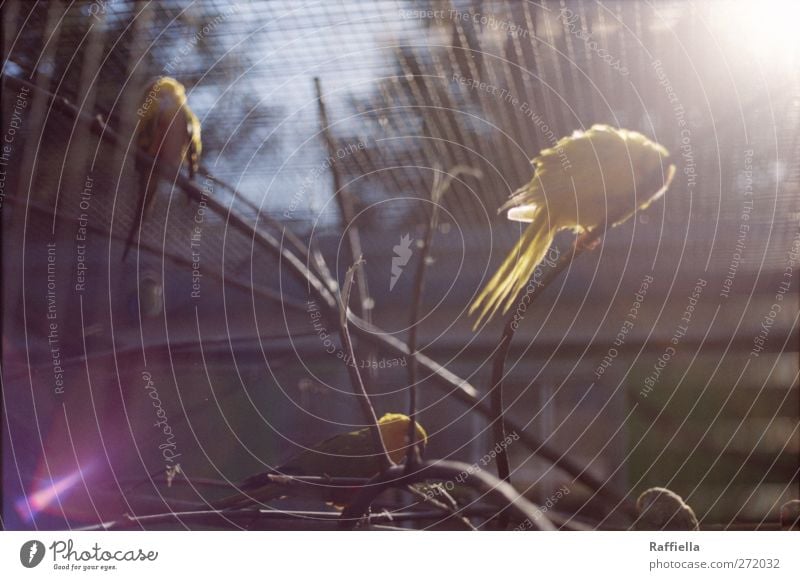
(347,455)
(595,177)
(169,133)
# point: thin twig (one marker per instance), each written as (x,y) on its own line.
(346,203)
(133,483)
(451,501)
(288,481)
(223,519)
(451,507)
(440,186)
(355,376)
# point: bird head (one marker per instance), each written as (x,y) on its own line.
(394,431)
(165,97)
(169,86)
(162,96)
(651,167)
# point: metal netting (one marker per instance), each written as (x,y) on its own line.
(409,89)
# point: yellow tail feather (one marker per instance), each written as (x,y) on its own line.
(516,270)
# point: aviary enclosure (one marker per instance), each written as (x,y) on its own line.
(461,264)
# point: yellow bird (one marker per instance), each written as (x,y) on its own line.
(345,455)
(594,177)
(168,132)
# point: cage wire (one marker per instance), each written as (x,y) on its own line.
(401,86)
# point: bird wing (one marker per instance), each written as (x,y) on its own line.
(585,180)
(195,143)
(343,455)
(601,166)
